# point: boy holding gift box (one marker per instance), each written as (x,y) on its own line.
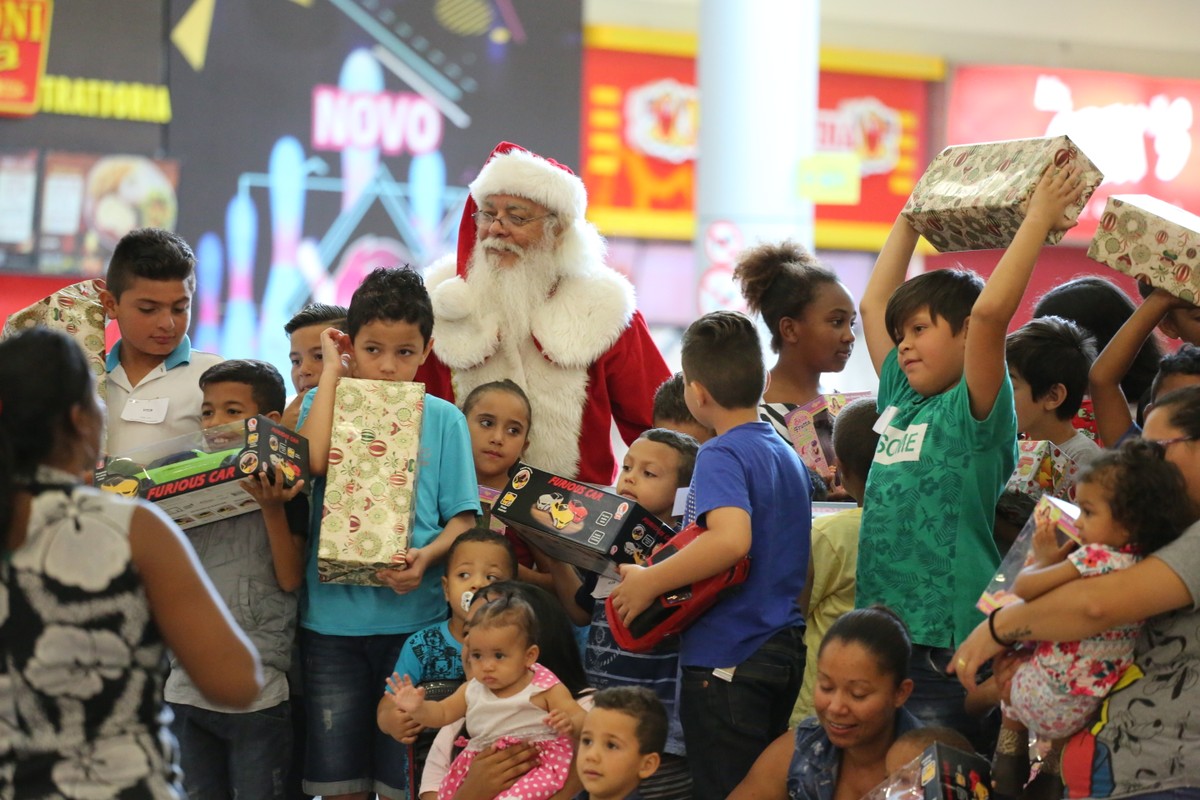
(351,635)
(743,659)
(256,563)
(947,441)
(153,389)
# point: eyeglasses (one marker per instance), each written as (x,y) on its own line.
(484,219)
(1165,443)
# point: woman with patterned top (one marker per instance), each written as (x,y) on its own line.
(93,588)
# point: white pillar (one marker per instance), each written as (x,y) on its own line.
(758,65)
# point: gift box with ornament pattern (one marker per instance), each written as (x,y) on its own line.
(974,196)
(75,310)
(370,490)
(1151,240)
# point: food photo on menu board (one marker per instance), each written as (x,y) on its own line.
(18,193)
(89,202)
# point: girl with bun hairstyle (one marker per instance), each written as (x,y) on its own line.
(811,317)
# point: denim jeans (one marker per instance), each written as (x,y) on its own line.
(343,681)
(939,699)
(727,724)
(226,756)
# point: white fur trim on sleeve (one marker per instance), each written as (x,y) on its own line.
(584,318)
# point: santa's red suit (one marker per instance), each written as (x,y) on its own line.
(587,359)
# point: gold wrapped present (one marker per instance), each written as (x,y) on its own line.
(974,196)
(75,310)
(371,485)
(1151,240)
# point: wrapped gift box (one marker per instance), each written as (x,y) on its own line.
(76,310)
(194,478)
(810,427)
(578,523)
(1150,240)
(973,197)
(999,590)
(370,488)
(1041,469)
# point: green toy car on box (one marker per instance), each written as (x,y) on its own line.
(194,478)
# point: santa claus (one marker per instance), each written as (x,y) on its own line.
(529,297)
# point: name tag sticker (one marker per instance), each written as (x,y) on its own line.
(150,412)
(897,446)
(680,502)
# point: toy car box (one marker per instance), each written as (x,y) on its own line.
(951,774)
(941,772)
(574,522)
(194,478)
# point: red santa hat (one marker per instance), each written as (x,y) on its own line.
(511,169)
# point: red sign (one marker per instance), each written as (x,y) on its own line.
(24,40)
(640,140)
(1138,130)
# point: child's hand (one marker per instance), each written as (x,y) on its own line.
(1045,548)
(1057,190)
(267,493)
(407,698)
(634,593)
(337,352)
(561,722)
(411,566)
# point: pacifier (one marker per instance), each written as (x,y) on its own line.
(465,600)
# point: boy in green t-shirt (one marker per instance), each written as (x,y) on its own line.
(947,442)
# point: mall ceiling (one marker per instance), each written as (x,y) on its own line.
(1154,37)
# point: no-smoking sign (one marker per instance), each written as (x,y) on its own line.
(722,243)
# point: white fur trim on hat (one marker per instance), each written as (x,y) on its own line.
(524,174)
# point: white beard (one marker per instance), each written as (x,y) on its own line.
(512,292)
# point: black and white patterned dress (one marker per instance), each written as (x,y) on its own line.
(81,660)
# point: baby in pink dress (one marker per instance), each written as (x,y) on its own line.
(508,698)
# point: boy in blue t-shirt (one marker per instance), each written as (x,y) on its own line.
(743,660)
(352,635)
(947,442)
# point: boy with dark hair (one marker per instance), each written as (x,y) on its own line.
(621,743)
(152,389)
(304,352)
(255,561)
(947,442)
(671,412)
(257,380)
(352,635)
(658,464)
(751,494)
(1048,362)
(829,589)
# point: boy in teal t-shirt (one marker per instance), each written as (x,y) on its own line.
(352,635)
(947,442)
